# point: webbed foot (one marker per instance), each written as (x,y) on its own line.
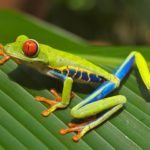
(54,104)
(80,128)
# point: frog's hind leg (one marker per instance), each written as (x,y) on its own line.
(143,69)
(111,104)
(142,66)
(95,103)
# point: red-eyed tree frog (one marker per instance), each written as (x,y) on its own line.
(69,68)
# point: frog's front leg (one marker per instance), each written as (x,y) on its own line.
(5,57)
(59,102)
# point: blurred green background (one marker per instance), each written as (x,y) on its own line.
(102,22)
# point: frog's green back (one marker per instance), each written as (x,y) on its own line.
(51,57)
(59,59)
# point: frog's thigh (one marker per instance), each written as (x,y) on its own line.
(96,107)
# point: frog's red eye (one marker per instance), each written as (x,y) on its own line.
(30,48)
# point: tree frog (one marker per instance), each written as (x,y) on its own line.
(69,68)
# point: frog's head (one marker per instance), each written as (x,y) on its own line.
(26,49)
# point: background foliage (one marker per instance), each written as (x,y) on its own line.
(119,22)
(22,126)
(101,21)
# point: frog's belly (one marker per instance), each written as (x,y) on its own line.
(80,75)
(77,74)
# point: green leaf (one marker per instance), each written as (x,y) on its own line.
(22,126)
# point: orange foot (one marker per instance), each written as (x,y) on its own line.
(80,128)
(5,58)
(54,104)
(1,46)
